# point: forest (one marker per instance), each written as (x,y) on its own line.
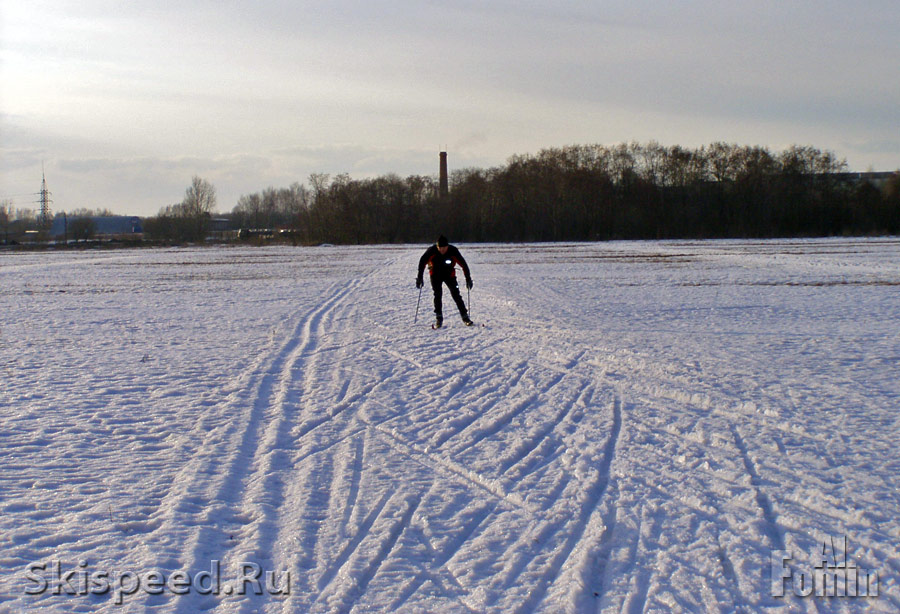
(589,193)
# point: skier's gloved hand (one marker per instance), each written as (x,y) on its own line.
(419,282)
(469,283)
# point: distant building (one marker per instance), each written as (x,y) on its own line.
(877,179)
(100,228)
(220,229)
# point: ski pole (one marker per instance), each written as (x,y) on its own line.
(469,300)
(416,319)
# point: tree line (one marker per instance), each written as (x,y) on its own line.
(187,221)
(592,192)
(574,193)
(386,209)
(647,191)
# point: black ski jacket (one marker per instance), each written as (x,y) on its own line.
(443,267)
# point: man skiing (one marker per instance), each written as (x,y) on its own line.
(441,260)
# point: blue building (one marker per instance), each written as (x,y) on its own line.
(102,228)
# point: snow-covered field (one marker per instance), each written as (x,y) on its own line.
(638,427)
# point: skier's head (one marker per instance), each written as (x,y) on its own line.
(442,244)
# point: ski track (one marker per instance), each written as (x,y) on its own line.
(260,439)
(298,411)
(191,501)
(575,532)
(765,505)
(327,586)
(392,468)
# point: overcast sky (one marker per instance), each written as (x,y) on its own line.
(124,101)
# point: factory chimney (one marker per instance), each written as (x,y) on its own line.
(444,185)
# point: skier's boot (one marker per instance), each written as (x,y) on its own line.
(438,323)
(467,321)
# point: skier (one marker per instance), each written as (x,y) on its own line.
(441,260)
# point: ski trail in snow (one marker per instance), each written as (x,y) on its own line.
(728,570)
(355,472)
(393,517)
(352,545)
(488,425)
(521,455)
(624,442)
(590,514)
(765,505)
(647,550)
(439,461)
(227,471)
(440,464)
(435,567)
(301,409)
(193,500)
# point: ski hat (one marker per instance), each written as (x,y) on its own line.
(442,241)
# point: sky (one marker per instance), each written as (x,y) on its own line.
(122,103)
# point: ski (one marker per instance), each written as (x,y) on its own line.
(469,323)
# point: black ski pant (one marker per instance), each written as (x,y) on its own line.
(437,285)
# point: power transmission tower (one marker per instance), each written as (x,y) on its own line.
(46,217)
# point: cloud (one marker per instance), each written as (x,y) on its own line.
(127,101)
(878,146)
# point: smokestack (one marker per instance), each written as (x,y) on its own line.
(444,186)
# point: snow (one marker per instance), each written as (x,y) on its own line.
(638,427)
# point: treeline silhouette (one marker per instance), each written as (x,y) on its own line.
(592,192)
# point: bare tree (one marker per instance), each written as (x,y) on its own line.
(82,228)
(199,203)
(248,211)
(6,218)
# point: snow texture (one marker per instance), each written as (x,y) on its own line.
(637,427)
